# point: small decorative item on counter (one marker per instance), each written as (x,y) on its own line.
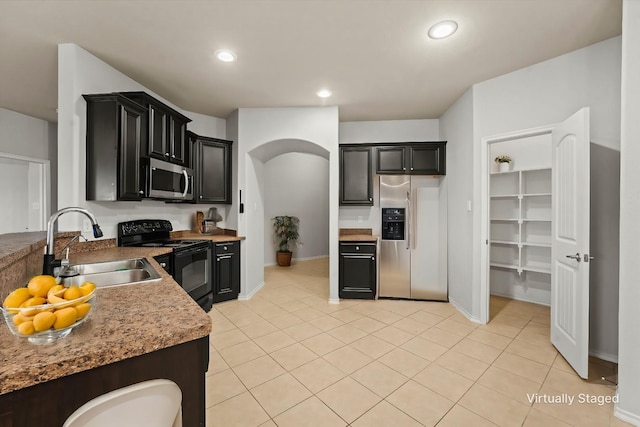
(45,311)
(503,163)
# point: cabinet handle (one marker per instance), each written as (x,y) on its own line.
(140,192)
(411,168)
(225,248)
(174,156)
(373,258)
(404,169)
(370,199)
(201,197)
(163,264)
(166,154)
(357,248)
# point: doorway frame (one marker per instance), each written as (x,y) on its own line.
(45,195)
(484,294)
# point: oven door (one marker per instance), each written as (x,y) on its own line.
(192,270)
(168,181)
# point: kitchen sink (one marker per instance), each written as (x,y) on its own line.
(112,273)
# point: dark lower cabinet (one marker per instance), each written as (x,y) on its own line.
(114,125)
(52,402)
(357,270)
(226,271)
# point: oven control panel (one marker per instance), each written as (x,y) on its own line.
(143,226)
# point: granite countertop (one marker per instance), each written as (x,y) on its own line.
(358,238)
(126,321)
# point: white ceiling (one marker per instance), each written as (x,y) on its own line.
(372,54)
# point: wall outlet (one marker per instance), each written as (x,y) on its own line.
(86,226)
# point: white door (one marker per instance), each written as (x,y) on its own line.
(570,241)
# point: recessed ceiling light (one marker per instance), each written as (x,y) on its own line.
(225,55)
(443,29)
(323,93)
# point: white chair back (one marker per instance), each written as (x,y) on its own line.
(156,403)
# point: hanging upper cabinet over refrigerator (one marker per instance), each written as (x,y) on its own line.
(424,158)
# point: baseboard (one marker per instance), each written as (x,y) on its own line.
(626,416)
(253,292)
(604,356)
(464,312)
(334,300)
(520,298)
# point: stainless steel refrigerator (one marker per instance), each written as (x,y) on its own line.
(412,260)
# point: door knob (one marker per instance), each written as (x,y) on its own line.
(576,257)
(587,258)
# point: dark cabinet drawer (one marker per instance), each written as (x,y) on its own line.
(358,248)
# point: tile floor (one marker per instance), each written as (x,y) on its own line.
(289,358)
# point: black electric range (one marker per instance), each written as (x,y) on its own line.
(189,263)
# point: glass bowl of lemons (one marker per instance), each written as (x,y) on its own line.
(45,311)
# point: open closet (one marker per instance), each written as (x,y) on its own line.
(520,220)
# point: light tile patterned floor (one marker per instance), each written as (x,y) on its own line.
(289,358)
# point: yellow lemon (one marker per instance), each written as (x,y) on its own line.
(72,292)
(43,321)
(26,328)
(83,309)
(16,298)
(33,301)
(65,317)
(39,285)
(21,318)
(87,287)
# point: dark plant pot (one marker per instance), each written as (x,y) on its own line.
(284,258)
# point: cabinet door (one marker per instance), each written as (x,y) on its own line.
(226,271)
(177,137)
(129,167)
(391,160)
(214,172)
(428,159)
(357,275)
(157,133)
(355,176)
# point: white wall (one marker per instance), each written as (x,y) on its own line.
(391,131)
(28,136)
(265,133)
(297,184)
(543,94)
(629,339)
(456,127)
(80,73)
(24,135)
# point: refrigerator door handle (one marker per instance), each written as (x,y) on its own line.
(407,225)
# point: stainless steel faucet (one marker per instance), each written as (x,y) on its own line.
(49,256)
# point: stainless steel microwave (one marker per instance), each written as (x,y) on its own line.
(168,181)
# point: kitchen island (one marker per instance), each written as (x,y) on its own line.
(135,333)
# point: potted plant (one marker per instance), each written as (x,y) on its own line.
(285,229)
(503,163)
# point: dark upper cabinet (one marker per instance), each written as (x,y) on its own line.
(226,271)
(357,270)
(391,160)
(426,158)
(114,127)
(164,130)
(211,161)
(356,188)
